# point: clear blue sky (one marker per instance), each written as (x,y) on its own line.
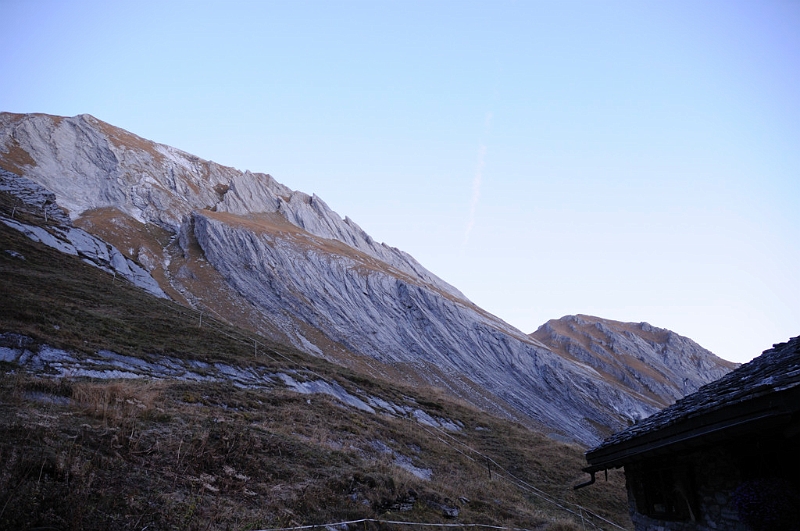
(638,161)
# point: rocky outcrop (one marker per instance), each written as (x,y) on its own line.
(26,353)
(318,279)
(61,235)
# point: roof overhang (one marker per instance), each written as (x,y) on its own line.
(767,412)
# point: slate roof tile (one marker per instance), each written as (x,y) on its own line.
(777,369)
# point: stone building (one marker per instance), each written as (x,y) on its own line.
(726,457)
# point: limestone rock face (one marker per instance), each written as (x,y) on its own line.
(89,164)
(68,239)
(395,319)
(254,252)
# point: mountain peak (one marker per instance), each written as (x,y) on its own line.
(657,363)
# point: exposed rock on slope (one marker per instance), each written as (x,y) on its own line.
(23,351)
(656,363)
(68,239)
(255,252)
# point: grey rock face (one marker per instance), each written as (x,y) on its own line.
(88,164)
(92,250)
(68,239)
(388,317)
(305,268)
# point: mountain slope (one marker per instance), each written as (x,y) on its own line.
(254,252)
(121,410)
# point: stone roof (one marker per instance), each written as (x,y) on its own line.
(719,402)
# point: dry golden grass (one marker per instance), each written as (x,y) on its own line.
(15,158)
(125,140)
(175,455)
(117,401)
(563,525)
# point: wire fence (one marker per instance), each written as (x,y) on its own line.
(336,525)
(585,515)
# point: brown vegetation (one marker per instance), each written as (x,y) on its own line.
(171,455)
(15,158)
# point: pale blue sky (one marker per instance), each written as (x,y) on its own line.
(638,161)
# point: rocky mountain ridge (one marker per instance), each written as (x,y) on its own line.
(254,252)
(653,361)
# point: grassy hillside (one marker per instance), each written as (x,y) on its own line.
(77,453)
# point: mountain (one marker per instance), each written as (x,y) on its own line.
(654,362)
(251,251)
(123,410)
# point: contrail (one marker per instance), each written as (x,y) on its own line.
(476,183)
(476,193)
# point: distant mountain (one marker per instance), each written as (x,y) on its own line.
(659,364)
(253,252)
